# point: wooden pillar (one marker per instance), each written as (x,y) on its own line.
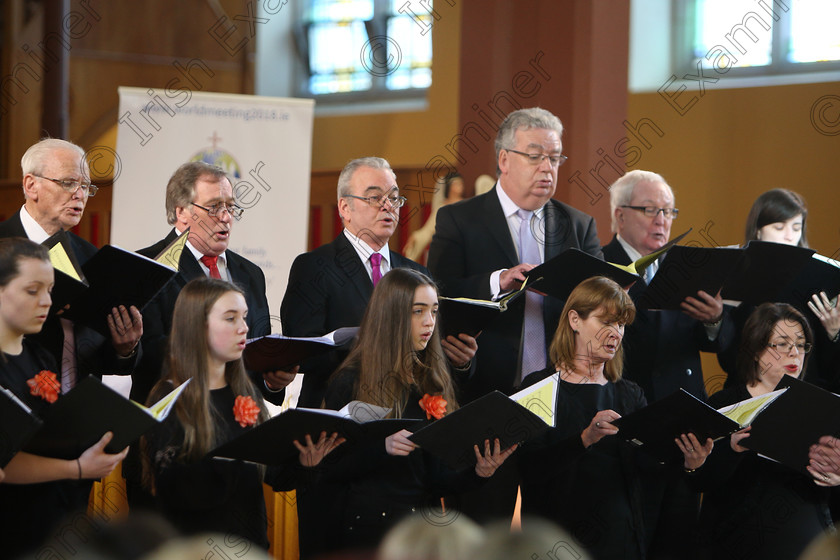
(55,117)
(567,56)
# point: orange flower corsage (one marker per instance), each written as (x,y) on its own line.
(45,385)
(433,405)
(245,411)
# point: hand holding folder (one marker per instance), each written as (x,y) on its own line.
(80,418)
(111,278)
(272,442)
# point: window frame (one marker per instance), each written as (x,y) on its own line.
(683,41)
(409,98)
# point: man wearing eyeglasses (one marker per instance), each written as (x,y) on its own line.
(330,287)
(200,197)
(484,246)
(56,187)
(662,348)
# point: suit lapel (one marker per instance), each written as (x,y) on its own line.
(497,226)
(349,263)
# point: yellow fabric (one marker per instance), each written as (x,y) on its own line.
(108,498)
(108,502)
(281,508)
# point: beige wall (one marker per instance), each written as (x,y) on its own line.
(406,138)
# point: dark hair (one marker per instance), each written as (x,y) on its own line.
(12,250)
(447,182)
(756,335)
(588,296)
(773,206)
(384,356)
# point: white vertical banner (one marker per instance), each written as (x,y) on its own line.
(264,144)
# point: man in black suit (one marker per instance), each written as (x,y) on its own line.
(329,287)
(662,348)
(475,251)
(484,246)
(199,196)
(56,186)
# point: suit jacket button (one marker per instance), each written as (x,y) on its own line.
(688,371)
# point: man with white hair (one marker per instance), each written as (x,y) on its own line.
(56,187)
(662,348)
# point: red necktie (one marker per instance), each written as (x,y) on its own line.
(210,263)
(376,272)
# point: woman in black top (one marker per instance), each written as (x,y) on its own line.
(753,507)
(397,363)
(56,487)
(781,216)
(600,488)
(195,492)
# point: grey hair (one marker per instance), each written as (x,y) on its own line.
(38,154)
(180,191)
(621,192)
(352,166)
(524,119)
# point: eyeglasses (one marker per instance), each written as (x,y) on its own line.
(652,211)
(70,185)
(786,347)
(232,209)
(537,159)
(379,200)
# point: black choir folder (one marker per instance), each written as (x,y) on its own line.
(684,271)
(560,275)
(270,443)
(276,352)
(781,273)
(110,278)
(655,427)
(492,416)
(796,420)
(80,418)
(468,316)
(17,424)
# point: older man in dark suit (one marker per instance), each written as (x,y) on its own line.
(662,348)
(56,187)
(200,197)
(329,287)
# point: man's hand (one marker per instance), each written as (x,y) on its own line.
(704,308)
(277,380)
(460,351)
(512,278)
(126,329)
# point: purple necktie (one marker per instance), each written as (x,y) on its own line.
(533,327)
(375,271)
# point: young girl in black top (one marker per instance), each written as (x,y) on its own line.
(195,492)
(56,487)
(397,363)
